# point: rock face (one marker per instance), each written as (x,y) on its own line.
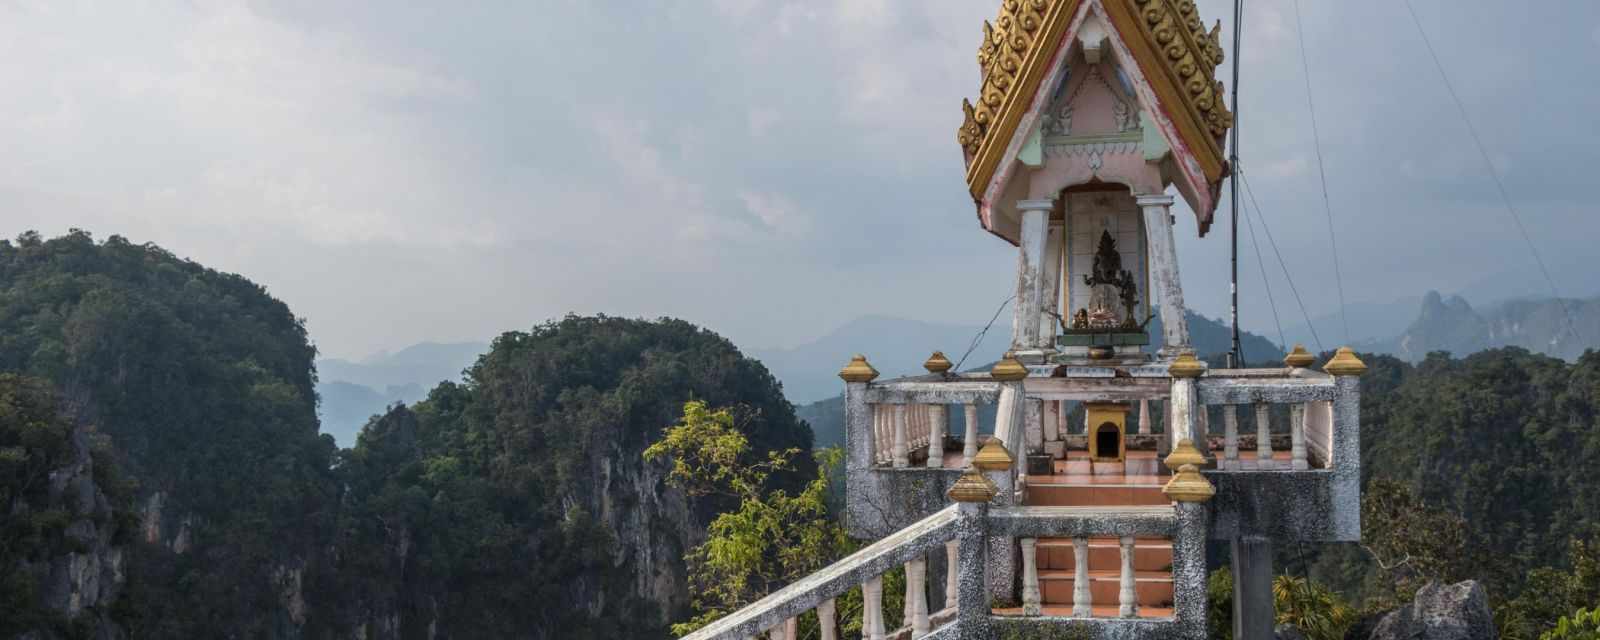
(1441,612)
(82,577)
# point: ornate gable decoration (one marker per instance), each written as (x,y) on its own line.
(1177,54)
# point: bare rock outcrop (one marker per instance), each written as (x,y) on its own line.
(1441,612)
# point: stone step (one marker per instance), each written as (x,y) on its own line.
(1097,495)
(1105,553)
(1154,588)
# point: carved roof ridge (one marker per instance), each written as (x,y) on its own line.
(1174,51)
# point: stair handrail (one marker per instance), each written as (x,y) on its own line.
(834,580)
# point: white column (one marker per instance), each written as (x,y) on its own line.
(1050,285)
(952,562)
(1034,419)
(1082,597)
(1129,595)
(1030,577)
(1202,427)
(1061,420)
(872,609)
(1030,263)
(1297,437)
(902,454)
(1168,290)
(1144,417)
(969,444)
(1048,420)
(939,420)
(1230,437)
(1263,437)
(826,622)
(917,596)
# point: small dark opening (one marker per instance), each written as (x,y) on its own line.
(1107,439)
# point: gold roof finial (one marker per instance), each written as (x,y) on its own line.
(1008,369)
(1187,485)
(937,363)
(972,487)
(1299,358)
(1186,366)
(1345,363)
(858,370)
(1184,453)
(993,456)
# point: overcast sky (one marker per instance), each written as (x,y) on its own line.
(767,169)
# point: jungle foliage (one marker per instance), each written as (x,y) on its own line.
(516,486)
(203,383)
(1475,468)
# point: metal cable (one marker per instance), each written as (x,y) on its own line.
(1516,216)
(1316,140)
(979,338)
(1283,340)
(1281,264)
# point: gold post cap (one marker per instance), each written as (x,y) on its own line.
(972,487)
(1189,486)
(1345,363)
(993,456)
(1299,358)
(937,363)
(1008,369)
(1183,454)
(1186,366)
(858,370)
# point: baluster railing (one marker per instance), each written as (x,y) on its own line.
(1263,436)
(827,625)
(1082,595)
(1031,605)
(872,609)
(1128,594)
(917,597)
(969,444)
(900,449)
(1297,437)
(938,416)
(1230,438)
(952,573)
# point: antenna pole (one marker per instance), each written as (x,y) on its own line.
(1236,354)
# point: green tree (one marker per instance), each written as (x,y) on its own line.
(771,539)
(1584,624)
(1312,608)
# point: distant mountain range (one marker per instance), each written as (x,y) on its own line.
(1540,325)
(1408,328)
(352,392)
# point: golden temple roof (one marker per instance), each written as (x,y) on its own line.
(1166,38)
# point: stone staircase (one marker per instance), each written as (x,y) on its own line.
(1076,484)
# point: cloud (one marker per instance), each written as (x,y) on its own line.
(761,120)
(776,212)
(740,162)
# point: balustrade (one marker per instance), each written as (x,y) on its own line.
(1300,403)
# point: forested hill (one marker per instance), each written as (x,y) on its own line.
(203,385)
(543,442)
(516,503)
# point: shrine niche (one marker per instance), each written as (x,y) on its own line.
(1105,306)
(1108,431)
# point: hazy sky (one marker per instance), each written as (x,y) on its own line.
(767,169)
